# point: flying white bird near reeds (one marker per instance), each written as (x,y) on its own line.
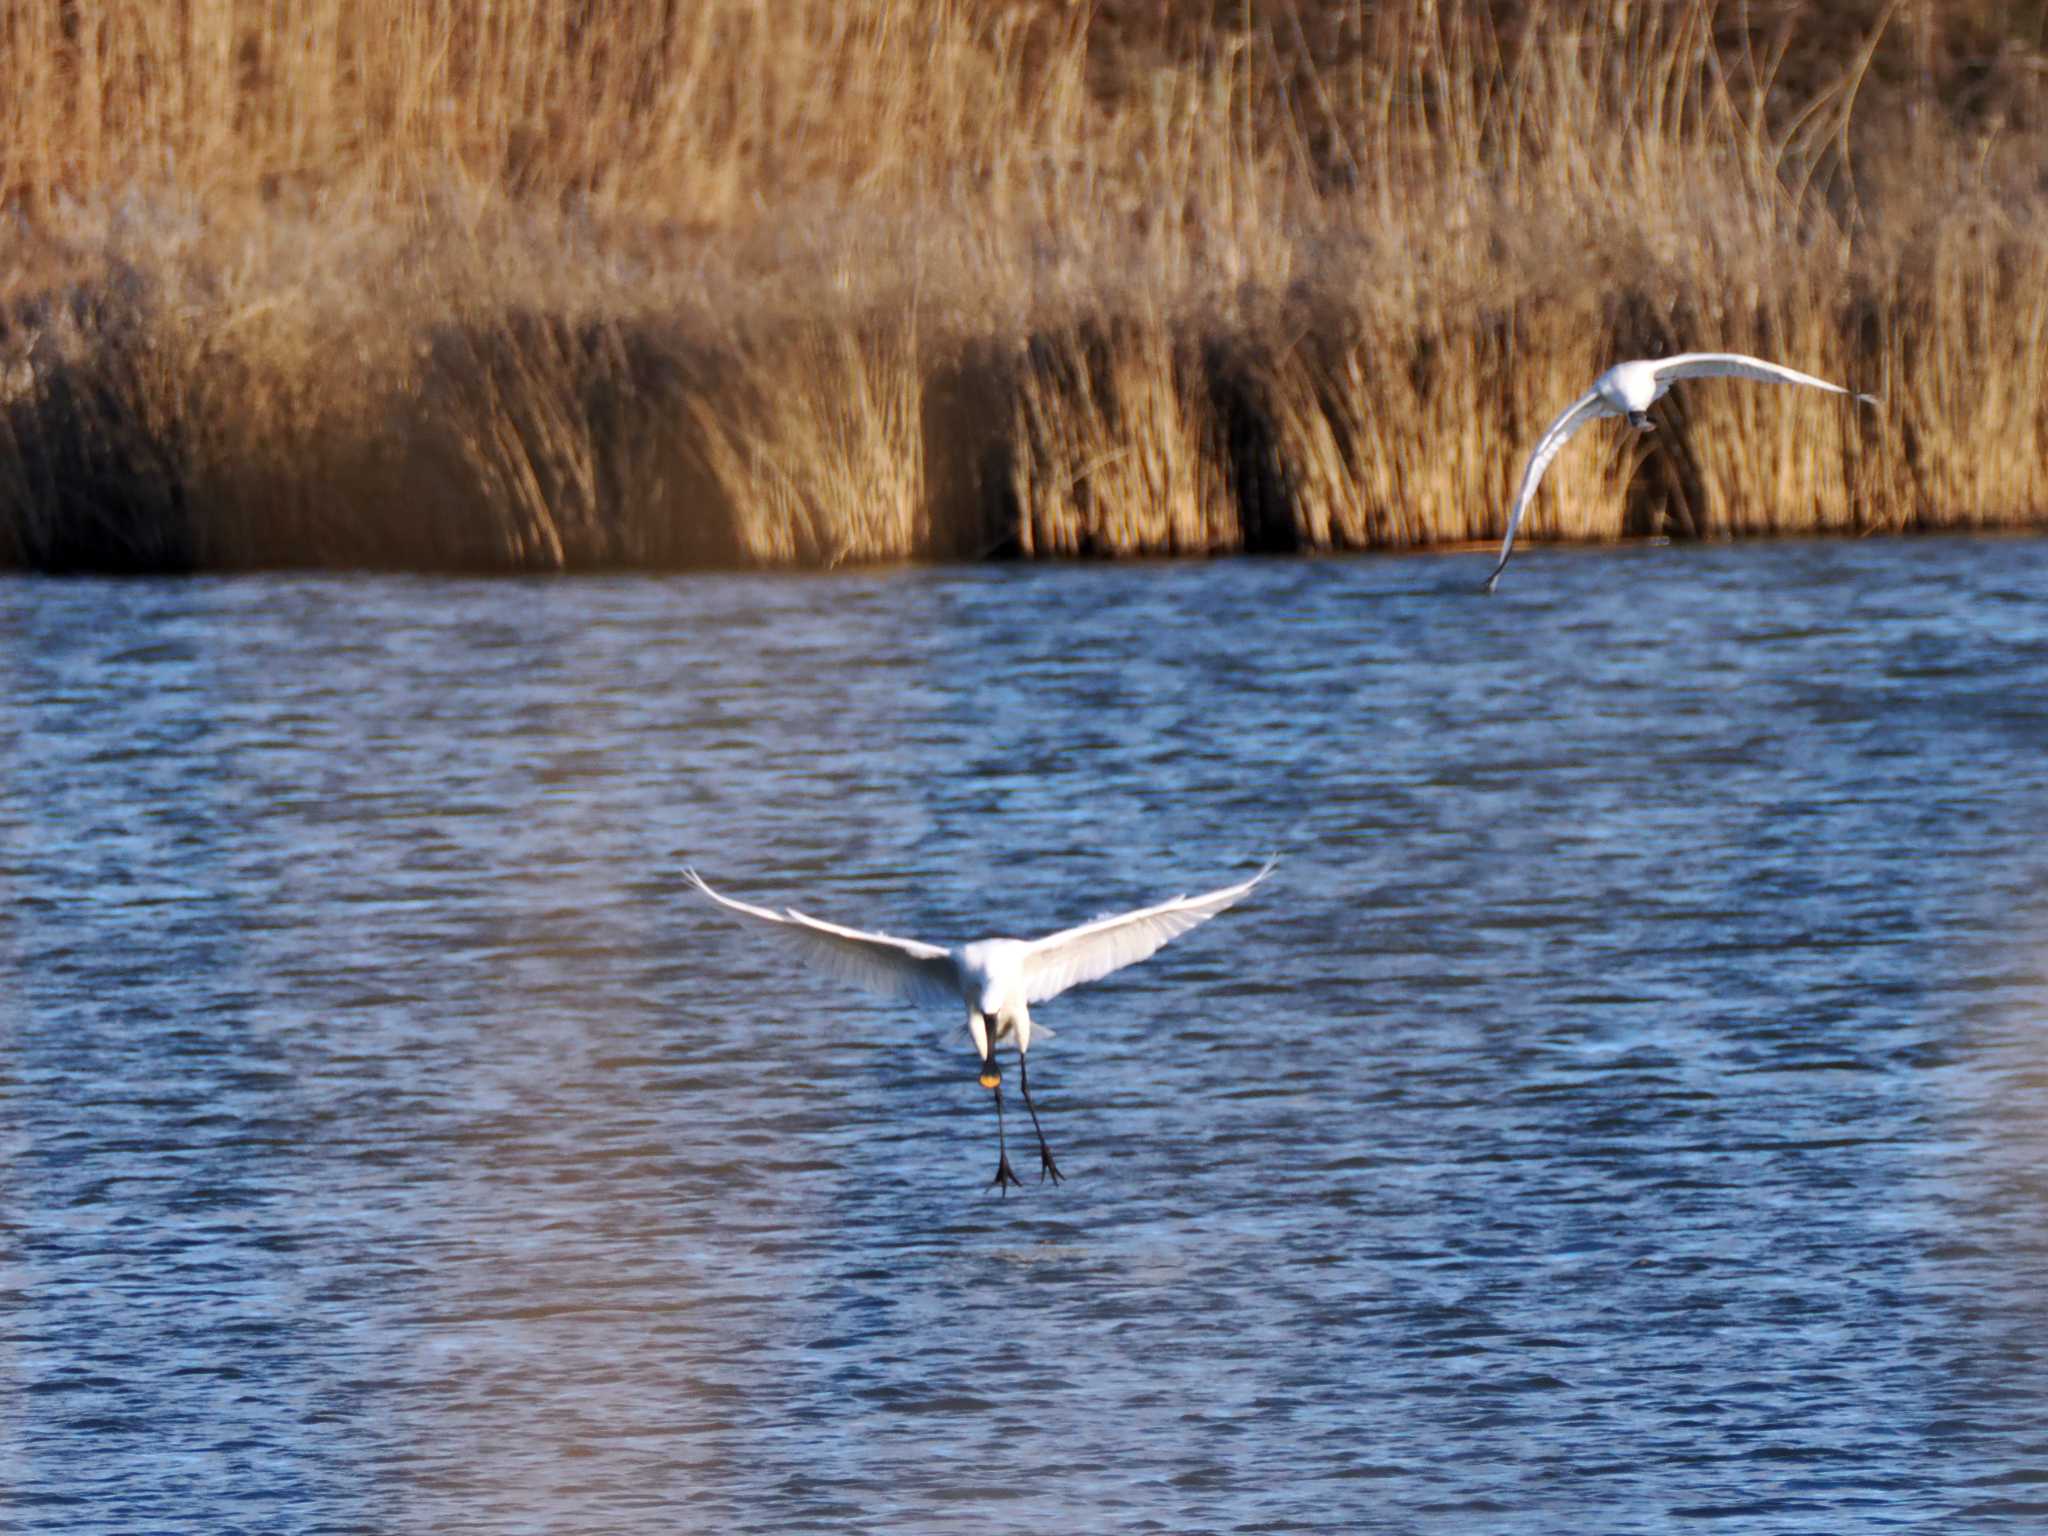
(998,979)
(1629,389)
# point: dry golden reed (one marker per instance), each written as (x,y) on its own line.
(551,285)
(1113,446)
(818,434)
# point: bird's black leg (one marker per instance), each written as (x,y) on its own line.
(1005,1174)
(1045,1163)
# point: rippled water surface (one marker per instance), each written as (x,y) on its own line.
(1626,1109)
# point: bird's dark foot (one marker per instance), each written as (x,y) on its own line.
(1005,1176)
(1047,1168)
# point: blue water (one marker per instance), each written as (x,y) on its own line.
(1626,1108)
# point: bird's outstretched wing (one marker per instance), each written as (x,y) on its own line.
(901,968)
(1091,951)
(1739,365)
(1555,436)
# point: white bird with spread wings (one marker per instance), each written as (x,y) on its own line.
(997,979)
(1629,389)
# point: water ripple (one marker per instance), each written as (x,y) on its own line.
(1636,1118)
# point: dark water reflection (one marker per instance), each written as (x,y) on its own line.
(1626,1110)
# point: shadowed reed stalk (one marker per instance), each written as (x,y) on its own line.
(542,285)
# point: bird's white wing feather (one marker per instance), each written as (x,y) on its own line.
(900,968)
(1091,951)
(1739,365)
(1555,436)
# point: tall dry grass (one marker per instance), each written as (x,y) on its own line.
(544,285)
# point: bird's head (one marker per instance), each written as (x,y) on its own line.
(994,993)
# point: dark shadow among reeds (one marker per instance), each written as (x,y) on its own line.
(92,469)
(971,453)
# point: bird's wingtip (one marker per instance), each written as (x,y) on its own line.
(1258,879)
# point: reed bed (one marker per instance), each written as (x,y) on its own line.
(544,285)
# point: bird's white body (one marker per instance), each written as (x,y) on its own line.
(1630,389)
(997,980)
(998,998)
